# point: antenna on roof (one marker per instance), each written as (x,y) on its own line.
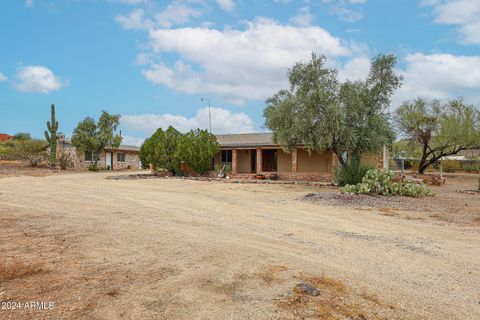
(209,115)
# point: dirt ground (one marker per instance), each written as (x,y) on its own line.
(180,249)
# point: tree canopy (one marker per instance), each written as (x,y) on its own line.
(169,149)
(323,113)
(31,150)
(436,129)
(95,136)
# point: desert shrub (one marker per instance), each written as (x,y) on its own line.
(352,173)
(93,166)
(451,165)
(381,182)
(65,161)
(475,167)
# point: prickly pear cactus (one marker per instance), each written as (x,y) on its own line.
(51,136)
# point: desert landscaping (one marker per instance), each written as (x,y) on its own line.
(180,249)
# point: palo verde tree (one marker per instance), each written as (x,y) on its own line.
(323,113)
(51,137)
(436,129)
(95,136)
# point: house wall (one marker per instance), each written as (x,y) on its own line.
(284,161)
(314,162)
(132,159)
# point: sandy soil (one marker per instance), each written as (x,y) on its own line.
(179,249)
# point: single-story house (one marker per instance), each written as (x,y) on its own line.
(256,153)
(121,158)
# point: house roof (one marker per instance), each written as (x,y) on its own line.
(246,139)
(126,147)
(122,147)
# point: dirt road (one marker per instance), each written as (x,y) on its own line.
(178,249)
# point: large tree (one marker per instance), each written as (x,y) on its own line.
(323,113)
(95,136)
(169,149)
(438,129)
(160,150)
(197,148)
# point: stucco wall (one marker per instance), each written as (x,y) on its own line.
(315,162)
(284,161)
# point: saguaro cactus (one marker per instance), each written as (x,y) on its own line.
(51,136)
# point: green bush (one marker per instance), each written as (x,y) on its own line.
(380,182)
(471,167)
(352,173)
(451,166)
(93,166)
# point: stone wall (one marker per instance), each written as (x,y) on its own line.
(132,159)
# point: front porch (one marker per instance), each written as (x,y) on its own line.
(297,165)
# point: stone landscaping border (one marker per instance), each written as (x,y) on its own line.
(224,180)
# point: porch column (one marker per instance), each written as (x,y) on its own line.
(234,161)
(294,160)
(259,160)
(335,162)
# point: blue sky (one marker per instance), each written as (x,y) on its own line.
(152,61)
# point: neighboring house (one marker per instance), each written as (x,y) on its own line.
(4,137)
(256,153)
(121,158)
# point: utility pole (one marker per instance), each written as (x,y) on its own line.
(209,114)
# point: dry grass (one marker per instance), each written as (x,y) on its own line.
(336,301)
(17,268)
(270,274)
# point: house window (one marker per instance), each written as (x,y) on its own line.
(120,157)
(226,155)
(91,156)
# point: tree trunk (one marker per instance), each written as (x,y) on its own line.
(421,165)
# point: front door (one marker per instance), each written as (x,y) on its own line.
(109,160)
(269,160)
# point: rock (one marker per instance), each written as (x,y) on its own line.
(307,289)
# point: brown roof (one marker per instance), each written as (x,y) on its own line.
(246,140)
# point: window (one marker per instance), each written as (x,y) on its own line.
(91,156)
(226,155)
(120,157)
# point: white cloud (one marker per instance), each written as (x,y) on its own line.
(462,13)
(132,141)
(227,5)
(223,121)
(29,3)
(303,19)
(440,76)
(355,69)
(2,77)
(37,79)
(132,1)
(176,13)
(134,20)
(248,63)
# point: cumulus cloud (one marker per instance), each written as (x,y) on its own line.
(355,69)
(37,79)
(248,63)
(227,5)
(2,77)
(440,76)
(461,13)
(223,121)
